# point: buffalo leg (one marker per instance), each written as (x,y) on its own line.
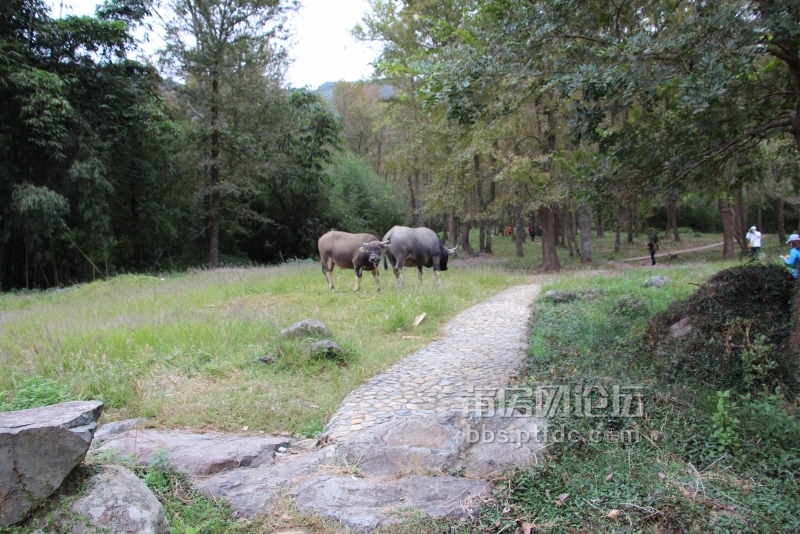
(398,266)
(419,273)
(438,281)
(376,276)
(358,278)
(327,268)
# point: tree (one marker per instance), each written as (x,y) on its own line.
(227,54)
(74,112)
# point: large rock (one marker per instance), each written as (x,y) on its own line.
(363,504)
(197,454)
(306,328)
(38,448)
(117,501)
(682,328)
(655,281)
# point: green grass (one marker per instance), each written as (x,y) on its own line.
(184,349)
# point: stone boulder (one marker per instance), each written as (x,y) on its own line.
(197,454)
(559,296)
(306,328)
(324,349)
(655,281)
(682,328)
(117,501)
(40,447)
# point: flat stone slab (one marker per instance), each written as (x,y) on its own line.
(38,449)
(199,455)
(363,504)
(478,447)
(251,490)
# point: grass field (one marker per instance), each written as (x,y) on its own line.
(184,349)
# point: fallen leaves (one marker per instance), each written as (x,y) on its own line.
(613,514)
(419,319)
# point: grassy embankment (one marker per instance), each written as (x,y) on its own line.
(703,461)
(184,350)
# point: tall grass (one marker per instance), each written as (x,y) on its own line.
(184,349)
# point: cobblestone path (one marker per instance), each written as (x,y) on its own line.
(483,347)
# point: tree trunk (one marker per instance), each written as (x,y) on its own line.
(559,227)
(451,222)
(488,225)
(617,231)
(740,220)
(585,223)
(672,216)
(600,226)
(760,222)
(781,221)
(630,226)
(465,246)
(566,218)
(519,232)
(550,261)
(726,213)
(215,208)
(482,236)
(445,228)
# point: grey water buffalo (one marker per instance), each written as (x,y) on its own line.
(361,252)
(416,247)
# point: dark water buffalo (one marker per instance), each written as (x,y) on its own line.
(351,251)
(416,247)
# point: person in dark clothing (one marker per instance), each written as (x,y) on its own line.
(532,233)
(652,247)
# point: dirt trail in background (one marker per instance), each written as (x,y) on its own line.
(665,254)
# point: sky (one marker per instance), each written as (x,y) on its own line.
(322,49)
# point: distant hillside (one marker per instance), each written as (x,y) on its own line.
(326,91)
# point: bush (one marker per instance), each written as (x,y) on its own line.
(740,326)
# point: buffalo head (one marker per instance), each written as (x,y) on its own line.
(375,249)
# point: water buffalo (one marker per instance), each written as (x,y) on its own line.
(351,251)
(416,247)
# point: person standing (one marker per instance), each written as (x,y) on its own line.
(652,247)
(532,233)
(793,258)
(754,241)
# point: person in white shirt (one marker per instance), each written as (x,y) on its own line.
(754,238)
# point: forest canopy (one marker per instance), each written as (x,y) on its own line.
(562,116)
